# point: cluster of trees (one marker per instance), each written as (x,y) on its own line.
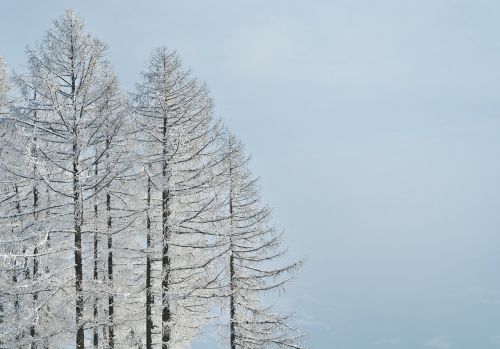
(127,221)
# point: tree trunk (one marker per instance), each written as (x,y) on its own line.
(46,342)
(96,273)
(232,305)
(80,340)
(111,338)
(33,331)
(149,295)
(165,238)
(14,276)
(77,214)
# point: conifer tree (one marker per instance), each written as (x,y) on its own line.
(68,85)
(254,247)
(179,138)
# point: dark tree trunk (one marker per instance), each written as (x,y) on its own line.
(80,340)
(232,304)
(33,331)
(166,272)
(111,339)
(149,295)
(96,273)
(14,276)
(111,305)
(77,213)
(165,238)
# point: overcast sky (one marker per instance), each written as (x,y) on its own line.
(375,127)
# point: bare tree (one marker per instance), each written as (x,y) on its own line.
(22,233)
(73,84)
(179,138)
(253,248)
(121,225)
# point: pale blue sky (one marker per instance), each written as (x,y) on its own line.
(375,126)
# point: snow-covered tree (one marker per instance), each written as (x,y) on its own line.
(178,138)
(122,223)
(12,266)
(22,231)
(4,86)
(253,246)
(71,113)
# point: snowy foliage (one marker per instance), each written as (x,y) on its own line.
(123,222)
(3,86)
(253,244)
